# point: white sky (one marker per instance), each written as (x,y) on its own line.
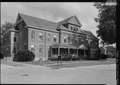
(53,11)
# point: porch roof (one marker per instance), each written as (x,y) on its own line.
(63,46)
(82,47)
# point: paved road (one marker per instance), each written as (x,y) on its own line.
(35,74)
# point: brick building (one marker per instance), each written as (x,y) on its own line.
(49,39)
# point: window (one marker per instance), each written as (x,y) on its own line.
(32,35)
(54,51)
(49,37)
(55,39)
(69,39)
(32,48)
(74,29)
(14,39)
(41,36)
(71,28)
(15,50)
(65,39)
(40,49)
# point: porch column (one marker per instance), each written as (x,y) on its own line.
(77,52)
(84,54)
(51,51)
(68,50)
(58,51)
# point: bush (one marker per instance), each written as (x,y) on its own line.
(24,56)
(52,58)
(1,56)
(75,57)
(103,56)
(67,57)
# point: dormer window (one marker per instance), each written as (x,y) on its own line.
(71,28)
(77,29)
(74,28)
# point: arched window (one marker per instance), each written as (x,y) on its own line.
(65,39)
(32,48)
(55,38)
(41,36)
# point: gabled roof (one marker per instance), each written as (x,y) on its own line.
(38,23)
(88,33)
(68,19)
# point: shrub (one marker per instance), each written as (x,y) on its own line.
(75,57)
(1,56)
(25,55)
(103,56)
(68,57)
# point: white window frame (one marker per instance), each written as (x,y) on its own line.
(49,37)
(32,46)
(41,36)
(55,37)
(41,49)
(32,34)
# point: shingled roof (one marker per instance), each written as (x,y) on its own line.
(88,33)
(38,23)
(49,25)
(67,20)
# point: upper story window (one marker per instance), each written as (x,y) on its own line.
(41,36)
(69,39)
(71,28)
(74,29)
(65,39)
(32,35)
(14,39)
(49,37)
(55,38)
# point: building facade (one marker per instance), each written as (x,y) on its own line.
(49,39)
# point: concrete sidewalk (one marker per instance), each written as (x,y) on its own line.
(20,64)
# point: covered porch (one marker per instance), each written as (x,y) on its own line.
(63,49)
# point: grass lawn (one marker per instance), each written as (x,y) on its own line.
(54,64)
(66,64)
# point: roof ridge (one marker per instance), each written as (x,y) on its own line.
(65,19)
(36,17)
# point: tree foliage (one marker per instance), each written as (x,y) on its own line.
(6,26)
(107,23)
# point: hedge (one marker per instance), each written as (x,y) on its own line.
(25,55)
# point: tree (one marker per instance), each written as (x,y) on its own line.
(107,22)
(6,26)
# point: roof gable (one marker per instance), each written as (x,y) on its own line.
(73,20)
(90,34)
(37,22)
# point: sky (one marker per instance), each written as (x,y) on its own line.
(52,11)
